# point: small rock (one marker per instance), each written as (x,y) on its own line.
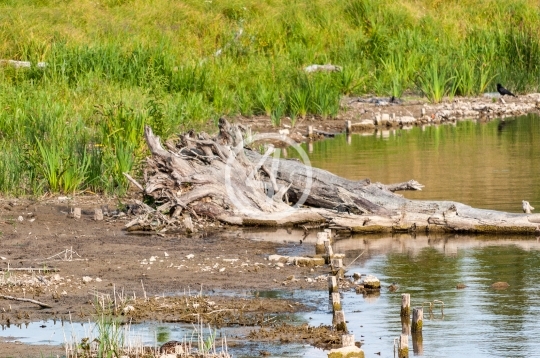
(500,285)
(222,269)
(98,214)
(356,275)
(20,218)
(129,308)
(460,286)
(152,259)
(166,254)
(87,279)
(290,278)
(98,279)
(190,256)
(280,264)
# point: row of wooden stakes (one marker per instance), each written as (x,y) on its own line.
(323,247)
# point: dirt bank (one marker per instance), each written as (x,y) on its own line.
(82,259)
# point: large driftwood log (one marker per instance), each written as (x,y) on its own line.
(217,178)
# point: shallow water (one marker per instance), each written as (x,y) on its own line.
(492,165)
(477,321)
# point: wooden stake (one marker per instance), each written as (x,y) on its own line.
(329,251)
(337,268)
(405,325)
(77,213)
(403,346)
(348,127)
(339,321)
(336,302)
(329,234)
(405,305)
(310,131)
(347,340)
(418,343)
(332,284)
(319,246)
(417,319)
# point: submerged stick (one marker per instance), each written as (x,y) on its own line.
(41,304)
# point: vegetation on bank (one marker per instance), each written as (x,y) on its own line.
(115,65)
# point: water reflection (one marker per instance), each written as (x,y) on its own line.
(492,165)
(477,321)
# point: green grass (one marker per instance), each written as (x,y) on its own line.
(116,65)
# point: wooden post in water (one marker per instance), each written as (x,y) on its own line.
(423,111)
(403,346)
(310,147)
(336,302)
(405,325)
(347,340)
(417,319)
(417,343)
(329,233)
(348,127)
(329,252)
(405,305)
(310,131)
(337,268)
(339,321)
(320,249)
(332,284)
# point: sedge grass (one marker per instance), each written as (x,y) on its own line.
(115,65)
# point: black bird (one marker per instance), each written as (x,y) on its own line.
(503,91)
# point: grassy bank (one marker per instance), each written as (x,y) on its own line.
(115,65)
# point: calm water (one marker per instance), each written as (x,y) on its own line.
(477,321)
(491,165)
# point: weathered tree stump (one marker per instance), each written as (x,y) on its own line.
(403,346)
(405,305)
(339,321)
(336,302)
(417,319)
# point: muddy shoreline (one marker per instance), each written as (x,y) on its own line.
(369,114)
(92,258)
(78,260)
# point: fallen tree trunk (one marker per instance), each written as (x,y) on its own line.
(207,178)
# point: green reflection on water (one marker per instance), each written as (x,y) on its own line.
(492,165)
